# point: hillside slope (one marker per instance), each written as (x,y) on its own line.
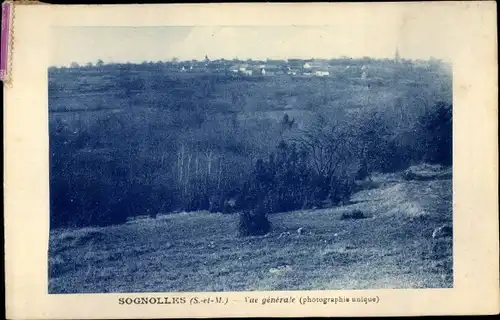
(200,251)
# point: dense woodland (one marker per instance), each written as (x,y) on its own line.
(129,140)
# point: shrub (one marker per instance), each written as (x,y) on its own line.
(341,189)
(356,214)
(436,129)
(253,223)
(229,206)
(214,204)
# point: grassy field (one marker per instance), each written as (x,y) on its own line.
(200,251)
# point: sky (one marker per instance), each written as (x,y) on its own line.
(138,44)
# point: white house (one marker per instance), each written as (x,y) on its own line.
(321,73)
(234,68)
(272,70)
(186,68)
(243,67)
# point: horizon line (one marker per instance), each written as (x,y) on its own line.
(236,59)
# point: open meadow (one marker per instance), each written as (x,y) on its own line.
(391,247)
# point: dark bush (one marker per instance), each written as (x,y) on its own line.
(91,205)
(436,127)
(356,214)
(253,223)
(215,204)
(229,206)
(341,189)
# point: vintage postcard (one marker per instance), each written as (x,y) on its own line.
(171,161)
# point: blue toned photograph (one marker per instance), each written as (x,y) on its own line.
(219,159)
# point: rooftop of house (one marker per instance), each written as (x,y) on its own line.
(273,68)
(316,64)
(239,66)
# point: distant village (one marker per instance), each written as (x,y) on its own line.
(359,68)
(365,67)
